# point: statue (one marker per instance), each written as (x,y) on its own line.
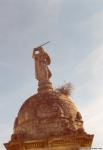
(42,60)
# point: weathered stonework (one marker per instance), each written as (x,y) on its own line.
(50,121)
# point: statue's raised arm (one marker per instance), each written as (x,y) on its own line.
(42,60)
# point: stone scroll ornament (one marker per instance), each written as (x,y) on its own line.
(42,60)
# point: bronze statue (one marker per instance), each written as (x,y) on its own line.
(42,60)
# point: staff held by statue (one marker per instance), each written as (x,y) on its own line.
(36,49)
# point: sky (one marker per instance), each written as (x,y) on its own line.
(75,29)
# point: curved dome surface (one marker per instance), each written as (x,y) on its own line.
(45,115)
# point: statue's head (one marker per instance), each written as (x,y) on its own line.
(41,49)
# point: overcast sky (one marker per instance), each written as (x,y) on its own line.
(75,29)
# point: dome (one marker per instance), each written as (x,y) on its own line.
(47,114)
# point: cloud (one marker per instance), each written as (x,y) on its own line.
(92,63)
(93,120)
(91,72)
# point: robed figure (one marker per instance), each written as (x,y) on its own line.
(42,60)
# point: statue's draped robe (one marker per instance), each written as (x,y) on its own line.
(42,72)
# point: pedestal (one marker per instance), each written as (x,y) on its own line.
(44,86)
